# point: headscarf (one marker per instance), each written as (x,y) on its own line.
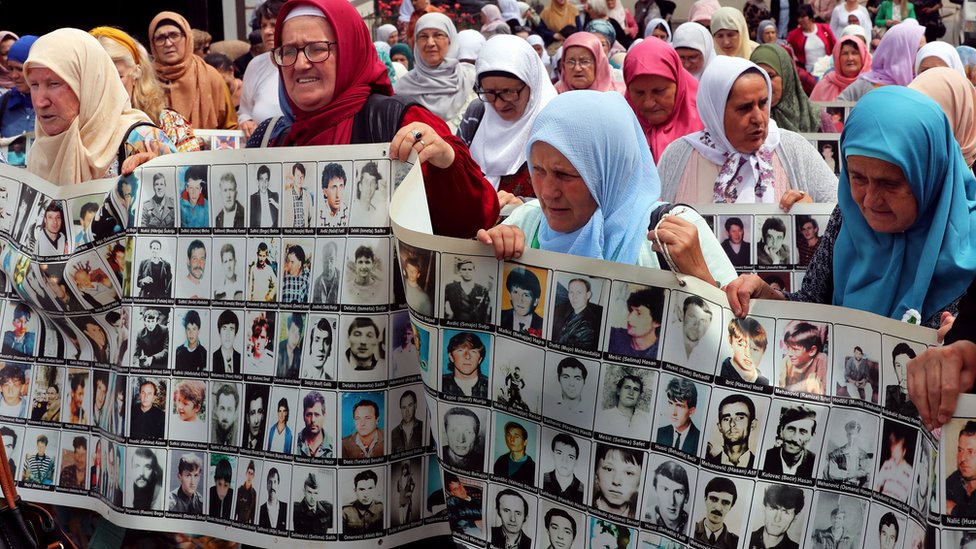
(618,14)
(736,168)
(494,16)
(893,61)
(444,89)
(382,47)
(557,17)
(703,10)
(656,58)
(727,18)
(833,83)
(509,9)
(942,50)
(600,136)
(602,26)
(762,27)
(192,87)
(526,19)
(932,263)
(957,97)
(856,30)
(536,40)
(385,58)
(90,144)
(499,146)
(403,49)
(6,81)
(967,54)
(384,32)
(19,52)
(696,37)
(358,75)
(469,43)
(655,23)
(603,81)
(794,111)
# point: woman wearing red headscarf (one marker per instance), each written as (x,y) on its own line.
(338,92)
(662,93)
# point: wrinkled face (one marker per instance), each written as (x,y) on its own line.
(522,301)
(508,110)
(652,97)
(365,491)
(727,41)
(515,440)
(512,512)
(226,411)
(579,68)
(142,470)
(671,498)
(466,359)
(564,458)
(189,480)
(604,43)
(850,60)
(571,383)
(432,45)
(640,321)
(696,323)
(17,75)
(882,193)
(778,520)
(692,60)
(462,434)
(401,59)
(578,295)
(560,533)
(776,81)
(363,342)
(315,418)
(746,119)
(735,423)
(769,35)
(310,85)
(680,413)
(566,201)
(170,44)
(796,435)
(617,479)
(55,104)
(365,420)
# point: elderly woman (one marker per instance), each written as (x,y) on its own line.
(513,87)
(340,103)
(145,93)
(597,189)
(193,88)
(559,20)
(731,33)
(851,59)
(938,54)
(584,66)
(388,33)
(85,127)
(695,47)
(742,155)
(892,63)
(957,97)
(400,53)
(438,80)
(599,10)
(662,94)
(791,109)
(16,110)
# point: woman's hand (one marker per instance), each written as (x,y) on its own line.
(508,240)
(791,197)
(248,127)
(422,138)
(130,164)
(937,377)
(746,287)
(505,198)
(681,238)
(945,325)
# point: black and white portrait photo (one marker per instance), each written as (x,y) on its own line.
(626,399)
(734,424)
(405,356)
(227,341)
(563,527)
(469,288)
(363,357)
(850,448)
(405,491)
(419,278)
(152,329)
(159,209)
(570,391)
(406,415)
(186,482)
(773,237)
(225,413)
(327,270)
(313,493)
(462,436)
(274,496)
(779,515)
(793,439)
(220,478)
(670,485)
(256,406)
(190,340)
(154,277)
(564,463)
(514,385)
(147,417)
(371,194)
(896,460)
(362,493)
(856,363)
(262,269)
(734,234)
(144,490)
(617,474)
(297,270)
(895,357)
(228,269)
(721,510)
(259,340)
(366,271)
(680,419)
(512,517)
(320,350)
(694,332)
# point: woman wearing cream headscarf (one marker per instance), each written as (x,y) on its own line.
(957,97)
(83,113)
(193,88)
(731,33)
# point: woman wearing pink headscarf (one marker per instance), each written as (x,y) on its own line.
(584,65)
(701,11)
(893,63)
(851,59)
(662,93)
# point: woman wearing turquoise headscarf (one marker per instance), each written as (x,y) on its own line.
(597,186)
(902,241)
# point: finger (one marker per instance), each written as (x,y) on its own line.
(916,389)
(396,145)
(949,389)
(933,390)
(483,237)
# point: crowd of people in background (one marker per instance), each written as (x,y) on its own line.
(577,120)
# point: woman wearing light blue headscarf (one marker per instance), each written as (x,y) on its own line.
(593,145)
(905,251)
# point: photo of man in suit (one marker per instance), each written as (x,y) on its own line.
(577,321)
(513,513)
(736,246)
(274,512)
(155,277)
(227,359)
(264,203)
(682,433)
(797,425)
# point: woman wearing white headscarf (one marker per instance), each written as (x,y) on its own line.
(514,87)
(938,54)
(387,33)
(695,46)
(742,156)
(510,12)
(469,43)
(438,80)
(658,27)
(539,45)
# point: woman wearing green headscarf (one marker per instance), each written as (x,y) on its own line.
(791,109)
(400,53)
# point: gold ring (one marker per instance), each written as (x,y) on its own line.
(422,144)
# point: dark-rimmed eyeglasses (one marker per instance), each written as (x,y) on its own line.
(315,52)
(509,96)
(174,37)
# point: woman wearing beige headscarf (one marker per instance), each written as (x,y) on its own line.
(193,88)
(731,34)
(83,115)
(957,97)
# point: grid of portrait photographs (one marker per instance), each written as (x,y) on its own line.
(762,239)
(576,409)
(226,343)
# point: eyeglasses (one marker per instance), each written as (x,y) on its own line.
(581,63)
(315,52)
(436,37)
(509,96)
(173,37)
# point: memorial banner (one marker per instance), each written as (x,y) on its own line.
(218,345)
(580,404)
